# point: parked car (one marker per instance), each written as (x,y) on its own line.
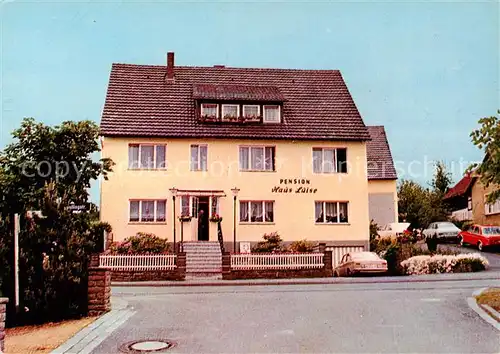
(394,229)
(443,231)
(481,236)
(353,263)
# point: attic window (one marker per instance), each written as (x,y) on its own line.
(230,111)
(209,110)
(251,111)
(272,114)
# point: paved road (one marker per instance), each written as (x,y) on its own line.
(335,318)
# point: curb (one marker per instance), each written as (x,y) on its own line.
(88,338)
(471,301)
(323,281)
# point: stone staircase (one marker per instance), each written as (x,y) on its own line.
(203,260)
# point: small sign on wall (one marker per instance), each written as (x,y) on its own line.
(245,247)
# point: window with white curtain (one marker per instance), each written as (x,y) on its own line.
(257,158)
(185,205)
(493,208)
(256,211)
(230,111)
(331,212)
(209,110)
(329,160)
(199,157)
(147,210)
(147,156)
(251,111)
(272,114)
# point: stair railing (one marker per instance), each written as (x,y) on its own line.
(220,237)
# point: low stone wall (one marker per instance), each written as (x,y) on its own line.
(3,313)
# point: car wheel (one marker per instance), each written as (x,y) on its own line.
(480,246)
(335,274)
(348,272)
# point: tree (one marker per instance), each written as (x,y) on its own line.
(411,199)
(442,179)
(487,137)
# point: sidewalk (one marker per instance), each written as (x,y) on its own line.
(485,275)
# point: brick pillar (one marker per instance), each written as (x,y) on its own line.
(322,247)
(99,288)
(3,313)
(226,265)
(328,266)
(181,265)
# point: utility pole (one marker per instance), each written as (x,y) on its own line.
(16,260)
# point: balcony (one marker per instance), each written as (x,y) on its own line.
(462,214)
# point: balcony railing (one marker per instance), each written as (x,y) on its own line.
(462,214)
(277,261)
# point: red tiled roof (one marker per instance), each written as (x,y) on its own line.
(460,188)
(378,155)
(140,102)
(236,92)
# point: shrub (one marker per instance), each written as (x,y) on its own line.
(374,237)
(141,243)
(301,246)
(272,243)
(444,264)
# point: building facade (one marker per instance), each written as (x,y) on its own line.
(482,212)
(265,150)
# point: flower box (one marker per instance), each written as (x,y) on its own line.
(207,118)
(216,218)
(252,119)
(230,118)
(185,218)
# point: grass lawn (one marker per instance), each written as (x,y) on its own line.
(490,297)
(43,338)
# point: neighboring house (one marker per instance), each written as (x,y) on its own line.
(382,178)
(484,213)
(290,144)
(459,198)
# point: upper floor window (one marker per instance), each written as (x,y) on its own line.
(150,156)
(251,111)
(331,212)
(329,160)
(493,208)
(257,158)
(230,111)
(199,157)
(209,110)
(257,211)
(272,114)
(147,210)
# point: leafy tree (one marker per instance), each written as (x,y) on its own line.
(411,198)
(487,137)
(442,179)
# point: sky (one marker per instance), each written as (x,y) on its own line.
(426,70)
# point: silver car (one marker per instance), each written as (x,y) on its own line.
(443,230)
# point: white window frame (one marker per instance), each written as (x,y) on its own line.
(323,206)
(264,113)
(250,147)
(202,107)
(335,159)
(155,202)
(198,167)
(491,209)
(225,106)
(249,203)
(246,106)
(139,163)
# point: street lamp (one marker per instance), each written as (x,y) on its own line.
(173,191)
(235,194)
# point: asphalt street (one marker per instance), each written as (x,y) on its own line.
(426,317)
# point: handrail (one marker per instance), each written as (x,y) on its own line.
(220,237)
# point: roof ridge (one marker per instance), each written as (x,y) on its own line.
(224,68)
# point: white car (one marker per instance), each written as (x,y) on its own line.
(393,229)
(443,231)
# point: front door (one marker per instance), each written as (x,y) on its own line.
(203,210)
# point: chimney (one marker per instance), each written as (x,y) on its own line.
(170,66)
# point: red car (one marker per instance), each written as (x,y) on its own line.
(481,236)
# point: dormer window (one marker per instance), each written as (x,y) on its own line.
(251,111)
(230,111)
(272,114)
(209,110)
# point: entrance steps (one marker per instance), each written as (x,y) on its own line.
(203,260)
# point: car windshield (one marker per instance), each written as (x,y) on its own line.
(365,255)
(445,225)
(495,230)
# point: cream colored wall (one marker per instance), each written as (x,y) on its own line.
(293,213)
(385,186)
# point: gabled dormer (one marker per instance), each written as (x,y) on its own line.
(238,104)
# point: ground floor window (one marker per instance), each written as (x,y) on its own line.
(257,211)
(215,206)
(331,212)
(147,210)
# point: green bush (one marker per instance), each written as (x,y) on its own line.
(272,243)
(141,243)
(301,246)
